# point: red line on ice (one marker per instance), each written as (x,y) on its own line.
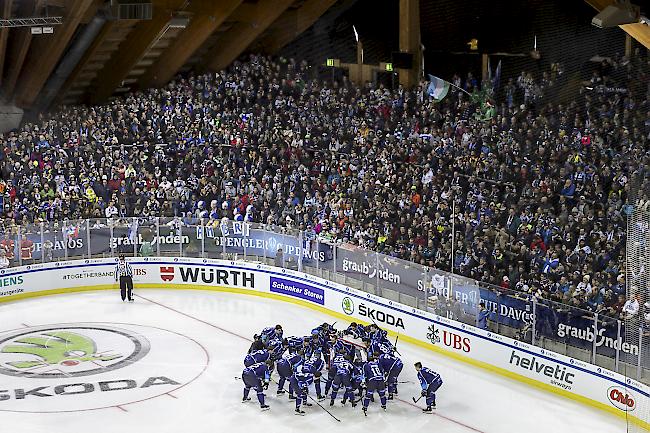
(195,318)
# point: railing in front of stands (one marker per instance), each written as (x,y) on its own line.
(581,334)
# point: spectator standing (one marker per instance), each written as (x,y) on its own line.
(482,316)
(146,249)
(279,258)
(9,247)
(26,250)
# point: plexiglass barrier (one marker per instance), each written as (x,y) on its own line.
(591,336)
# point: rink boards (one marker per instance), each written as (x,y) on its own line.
(571,378)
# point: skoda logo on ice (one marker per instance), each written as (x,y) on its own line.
(83,366)
(69,351)
(347,305)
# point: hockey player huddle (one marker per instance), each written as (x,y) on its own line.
(357,363)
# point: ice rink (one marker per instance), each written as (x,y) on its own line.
(169,362)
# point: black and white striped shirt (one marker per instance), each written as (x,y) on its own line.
(123,269)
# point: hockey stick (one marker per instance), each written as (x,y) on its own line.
(395,345)
(322,407)
(414,400)
(315,401)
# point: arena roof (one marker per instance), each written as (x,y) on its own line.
(92,56)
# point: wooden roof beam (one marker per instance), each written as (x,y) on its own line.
(47,51)
(89,54)
(293,23)
(133,48)
(205,21)
(21,39)
(236,40)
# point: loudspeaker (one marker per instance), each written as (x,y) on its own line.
(615,15)
(132,9)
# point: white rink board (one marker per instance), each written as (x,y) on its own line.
(557,373)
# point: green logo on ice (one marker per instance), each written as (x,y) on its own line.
(69,351)
(58,347)
(347,305)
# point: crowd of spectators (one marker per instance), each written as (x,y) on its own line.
(539,189)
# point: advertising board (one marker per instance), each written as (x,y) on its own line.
(604,389)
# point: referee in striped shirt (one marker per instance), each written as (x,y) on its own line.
(124,272)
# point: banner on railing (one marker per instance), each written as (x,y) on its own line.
(240,238)
(580,332)
(508,310)
(232,239)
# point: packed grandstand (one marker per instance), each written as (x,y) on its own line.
(540,187)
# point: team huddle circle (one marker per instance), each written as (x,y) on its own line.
(354,363)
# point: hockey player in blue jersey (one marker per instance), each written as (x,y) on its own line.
(430,382)
(374,379)
(316,364)
(331,372)
(294,343)
(377,346)
(256,357)
(356,331)
(324,330)
(343,379)
(392,367)
(271,333)
(356,379)
(323,335)
(301,379)
(256,344)
(379,342)
(309,346)
(286,366)
(256,376)
(276,348)
(347,349)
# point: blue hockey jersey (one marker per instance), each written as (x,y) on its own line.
(427,376)
(372,371)
(260,370)
(256,357)
(389,362)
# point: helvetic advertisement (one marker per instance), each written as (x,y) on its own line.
(605,389)
(553,373)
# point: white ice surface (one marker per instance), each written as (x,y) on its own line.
(471,400)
